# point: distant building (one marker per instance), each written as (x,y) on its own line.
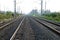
(34,12)
(47,11)
(2,12)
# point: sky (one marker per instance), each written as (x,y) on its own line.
(27,5)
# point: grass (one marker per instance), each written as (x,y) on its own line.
(7,15)
(51,16)
(57,19)
(4,16)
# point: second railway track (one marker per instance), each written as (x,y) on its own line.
(50,25)
(42,32)
(49,21)
(27,28)
(7,32)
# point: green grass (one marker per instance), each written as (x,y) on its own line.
(57,19)
(7,15)
(4,16)
(53,16)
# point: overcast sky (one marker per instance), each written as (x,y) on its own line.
(27,5)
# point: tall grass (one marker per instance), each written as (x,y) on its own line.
(6,15)
(53,16)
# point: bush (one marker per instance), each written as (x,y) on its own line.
(53,16)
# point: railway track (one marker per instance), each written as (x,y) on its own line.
(54,27)
(42,32)
(28,28)
(13,36)
(25,32)
(33,30)
(7,30)
(4,23)
(49,21)
(7,23)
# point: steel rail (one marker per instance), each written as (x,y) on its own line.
(14,34)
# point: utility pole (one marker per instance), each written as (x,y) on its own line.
(41,7)
(45,6)
(14,7)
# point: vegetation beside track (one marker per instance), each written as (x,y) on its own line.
(54,16)
(50,16)
(7,15)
